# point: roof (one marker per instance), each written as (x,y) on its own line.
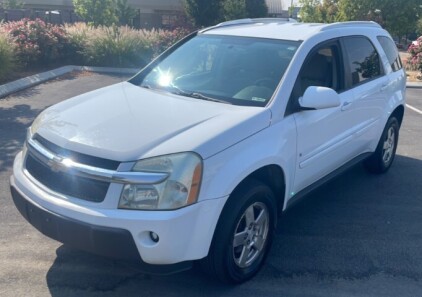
(279,28)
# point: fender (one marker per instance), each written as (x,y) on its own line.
(224,171)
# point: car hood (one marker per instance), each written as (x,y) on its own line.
(124,122)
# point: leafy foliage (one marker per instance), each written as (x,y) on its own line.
(12,4)
(37,42)
(256,8)
(398,17)
(125,13)
(238,9)
(415,51)
(97,12)
(119,46)
(7,59)
(234,9)
(203,13)
(419,26)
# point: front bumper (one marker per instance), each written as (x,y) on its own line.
(184,234)
(105,241)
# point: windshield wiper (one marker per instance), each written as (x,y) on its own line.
(197,95)
(204,97)
(146,87)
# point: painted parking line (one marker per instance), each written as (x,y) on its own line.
(414,109)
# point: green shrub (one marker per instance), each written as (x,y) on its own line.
(109,46)
(160,40)
(7,58)
(118,46)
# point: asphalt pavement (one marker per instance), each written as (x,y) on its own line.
(359,235)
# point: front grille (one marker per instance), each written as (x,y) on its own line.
(67,184)
(77,157)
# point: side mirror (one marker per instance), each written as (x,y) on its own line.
(319,98)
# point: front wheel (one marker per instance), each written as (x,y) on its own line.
(243,234)
(383,156)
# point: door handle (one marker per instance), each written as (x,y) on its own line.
(384,86)
(346,105)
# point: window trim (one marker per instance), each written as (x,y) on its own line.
(348,73)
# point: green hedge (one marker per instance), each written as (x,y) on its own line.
(7,56)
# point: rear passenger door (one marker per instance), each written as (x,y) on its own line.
(366,79)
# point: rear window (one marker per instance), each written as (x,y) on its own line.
(363,59)
(391,51)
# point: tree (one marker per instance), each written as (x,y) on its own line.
(12,4)
(309,12)
(125,13)
(239,9)
(203,13)
(256,8)
(96,12)
(398,17)
(234,9)
(419,26)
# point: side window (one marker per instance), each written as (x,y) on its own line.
(363,59)
(391,51)
(322,68)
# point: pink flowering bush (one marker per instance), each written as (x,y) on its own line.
(37,42)
(415,51)
(34,43)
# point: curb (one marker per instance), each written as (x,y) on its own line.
(416,85)
(39,78)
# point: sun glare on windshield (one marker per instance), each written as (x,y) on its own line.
(165,78)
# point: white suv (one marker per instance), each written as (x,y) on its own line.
(196,156)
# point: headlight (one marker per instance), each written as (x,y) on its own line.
(180,189)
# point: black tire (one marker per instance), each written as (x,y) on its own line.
(380,161)
(224,261)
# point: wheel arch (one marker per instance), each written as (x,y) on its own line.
(273,176)
(398,113)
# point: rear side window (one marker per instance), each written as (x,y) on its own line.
(363,59)
(391,51)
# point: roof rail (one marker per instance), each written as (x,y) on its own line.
(350,24)
(250,21)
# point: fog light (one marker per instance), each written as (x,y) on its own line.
(154,236)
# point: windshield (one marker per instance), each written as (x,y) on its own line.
(227,69)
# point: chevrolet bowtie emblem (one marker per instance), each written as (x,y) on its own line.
(55,164)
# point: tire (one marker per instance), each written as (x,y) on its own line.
(380,161)
(249,216)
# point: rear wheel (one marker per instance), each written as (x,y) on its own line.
(243,234)
(384,155)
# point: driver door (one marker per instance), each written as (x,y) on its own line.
(323,135)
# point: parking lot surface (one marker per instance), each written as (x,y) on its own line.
(359,235)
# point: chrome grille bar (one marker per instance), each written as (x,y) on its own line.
(62,164)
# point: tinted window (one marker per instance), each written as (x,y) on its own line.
(363,59)
(391,51)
